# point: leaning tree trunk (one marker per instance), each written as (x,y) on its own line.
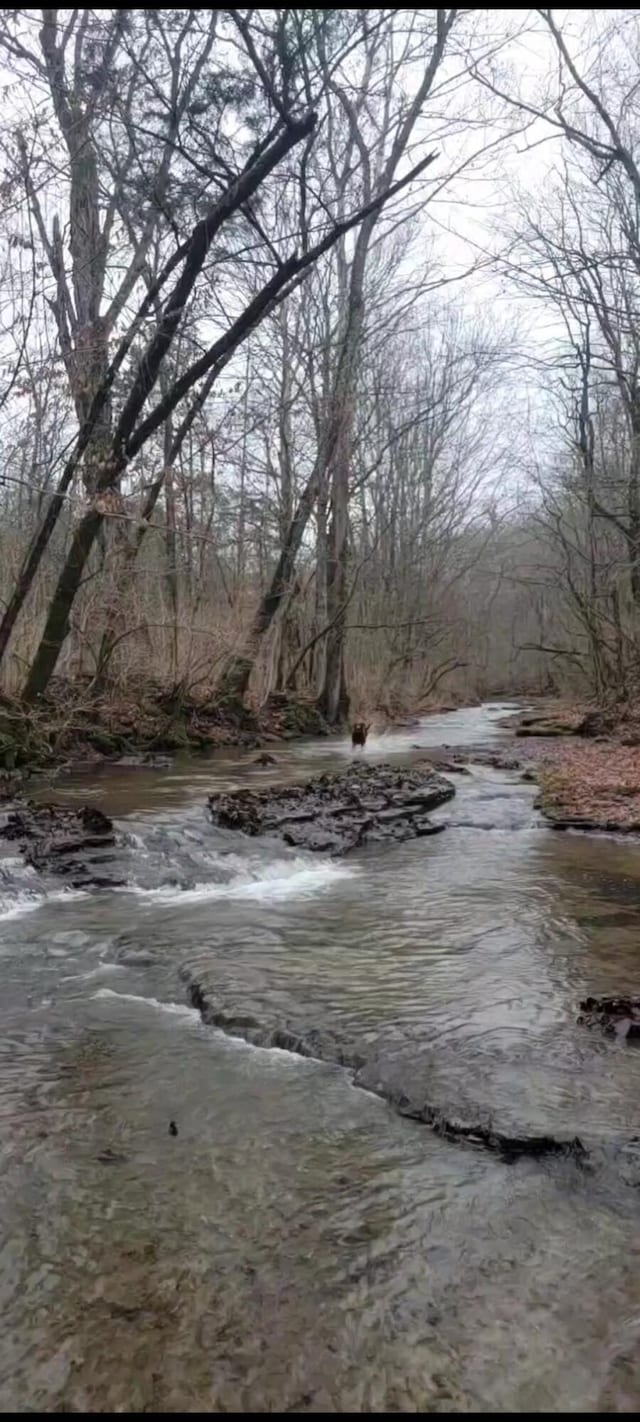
(128,435)
(235,682)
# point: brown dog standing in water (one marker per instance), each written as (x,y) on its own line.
(359,733)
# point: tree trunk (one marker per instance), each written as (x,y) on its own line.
(633,537)
(234,684)
(57,624)
(172,556)
(334,700)
(319,648)
(144,380)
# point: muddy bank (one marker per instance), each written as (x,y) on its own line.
(370,1073)
(366,804)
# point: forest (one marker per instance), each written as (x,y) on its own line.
(319,711)
(319,361)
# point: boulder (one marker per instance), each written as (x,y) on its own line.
(334,814)
(616,1016)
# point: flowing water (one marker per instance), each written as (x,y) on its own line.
(299,1245)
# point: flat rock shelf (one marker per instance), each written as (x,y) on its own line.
(366,804)
(77,844)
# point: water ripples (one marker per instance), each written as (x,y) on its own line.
(297,1245)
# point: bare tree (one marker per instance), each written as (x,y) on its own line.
(269,60)
(364,131)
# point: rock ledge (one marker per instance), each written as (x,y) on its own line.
(366,804)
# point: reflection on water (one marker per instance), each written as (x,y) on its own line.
(299,1246)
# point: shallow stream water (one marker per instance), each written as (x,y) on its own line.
(299,1245)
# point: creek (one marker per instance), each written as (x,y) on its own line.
(300,1244)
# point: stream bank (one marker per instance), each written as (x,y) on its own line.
(142,725)
(587,765)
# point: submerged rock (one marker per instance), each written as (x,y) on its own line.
(324,1045)
(365,804)
(495,760)
(617,1016)
(146,760)
(63,840)
(248,1024)
(509,1146)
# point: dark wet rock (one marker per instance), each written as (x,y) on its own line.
(547,729)
(508,1146)
(599,722)
(147,760)
(556,820)
(136,957)
(616,1016)
(303,1041)
(324,1045)
(57,839)
(265,759)
(112,1157)
(566,822)
(496,760)
(366,804)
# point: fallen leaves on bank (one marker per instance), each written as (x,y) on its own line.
(595,784)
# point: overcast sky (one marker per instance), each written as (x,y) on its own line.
(467,221)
